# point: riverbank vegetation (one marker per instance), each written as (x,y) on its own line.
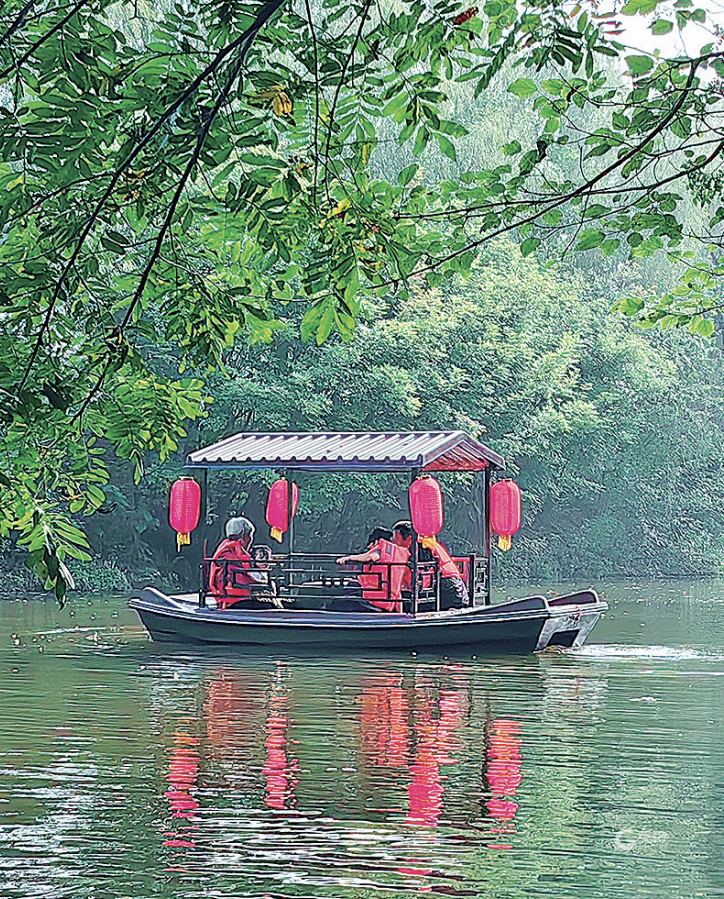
(331,215)
(613,433)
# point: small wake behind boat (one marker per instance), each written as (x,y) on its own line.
(305,596)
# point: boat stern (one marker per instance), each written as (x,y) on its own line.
(572,618)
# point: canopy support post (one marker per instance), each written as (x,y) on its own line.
(414,474)
(203,533)
(290,493)
(487,549)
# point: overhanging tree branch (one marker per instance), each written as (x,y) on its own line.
(250,34)
(18,23)
(247,36)
(39,43)
(582,190)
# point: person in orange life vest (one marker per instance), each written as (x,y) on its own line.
(453,592)
(384,564)
(230,583)
(402,535)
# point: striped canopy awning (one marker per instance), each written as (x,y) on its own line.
(365,451)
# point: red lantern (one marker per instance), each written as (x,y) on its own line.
(505,511)
(277,506)
(184,509)
(426,509)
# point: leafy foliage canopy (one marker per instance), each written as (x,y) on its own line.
(165,188)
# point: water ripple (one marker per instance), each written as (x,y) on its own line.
(130,770)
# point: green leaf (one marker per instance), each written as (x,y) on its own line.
(310,321)
(642,7)
(529,245)
(325,325)
(447,148)
(701,326)
(454,129)
(396,108)
(629,305)
(662,26)
(596,210)
(590,239)
(681,126)
(553,217)
(512,148)
(421,139)
(523,87)
(609,247)
(407,174)
(110,241)
(639,65)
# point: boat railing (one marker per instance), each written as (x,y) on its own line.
(317,581)
(477,581)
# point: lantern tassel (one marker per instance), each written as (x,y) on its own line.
(505,541)
(276,534)
(429,542)
(182,540)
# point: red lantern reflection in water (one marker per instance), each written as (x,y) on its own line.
(502,771)
(434,746)
(279,770)
(182,773)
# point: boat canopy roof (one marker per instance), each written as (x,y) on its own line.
(362,451)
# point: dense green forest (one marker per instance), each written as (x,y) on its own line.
(268,215)
(613,433)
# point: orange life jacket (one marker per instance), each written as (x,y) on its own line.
(447,567)
(381,581)
(225,580)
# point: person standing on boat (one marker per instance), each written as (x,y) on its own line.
(453,592)
(230,583)
(383,570)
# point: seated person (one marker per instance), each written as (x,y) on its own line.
(453,592)
(379,585)
(230,583)
(402,535)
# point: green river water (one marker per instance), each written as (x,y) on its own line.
(128,770)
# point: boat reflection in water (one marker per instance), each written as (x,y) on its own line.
(352,783)
(414,733)
(422,740)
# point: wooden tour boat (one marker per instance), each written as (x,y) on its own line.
(302,591)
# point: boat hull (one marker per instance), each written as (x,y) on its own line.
(517,627)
